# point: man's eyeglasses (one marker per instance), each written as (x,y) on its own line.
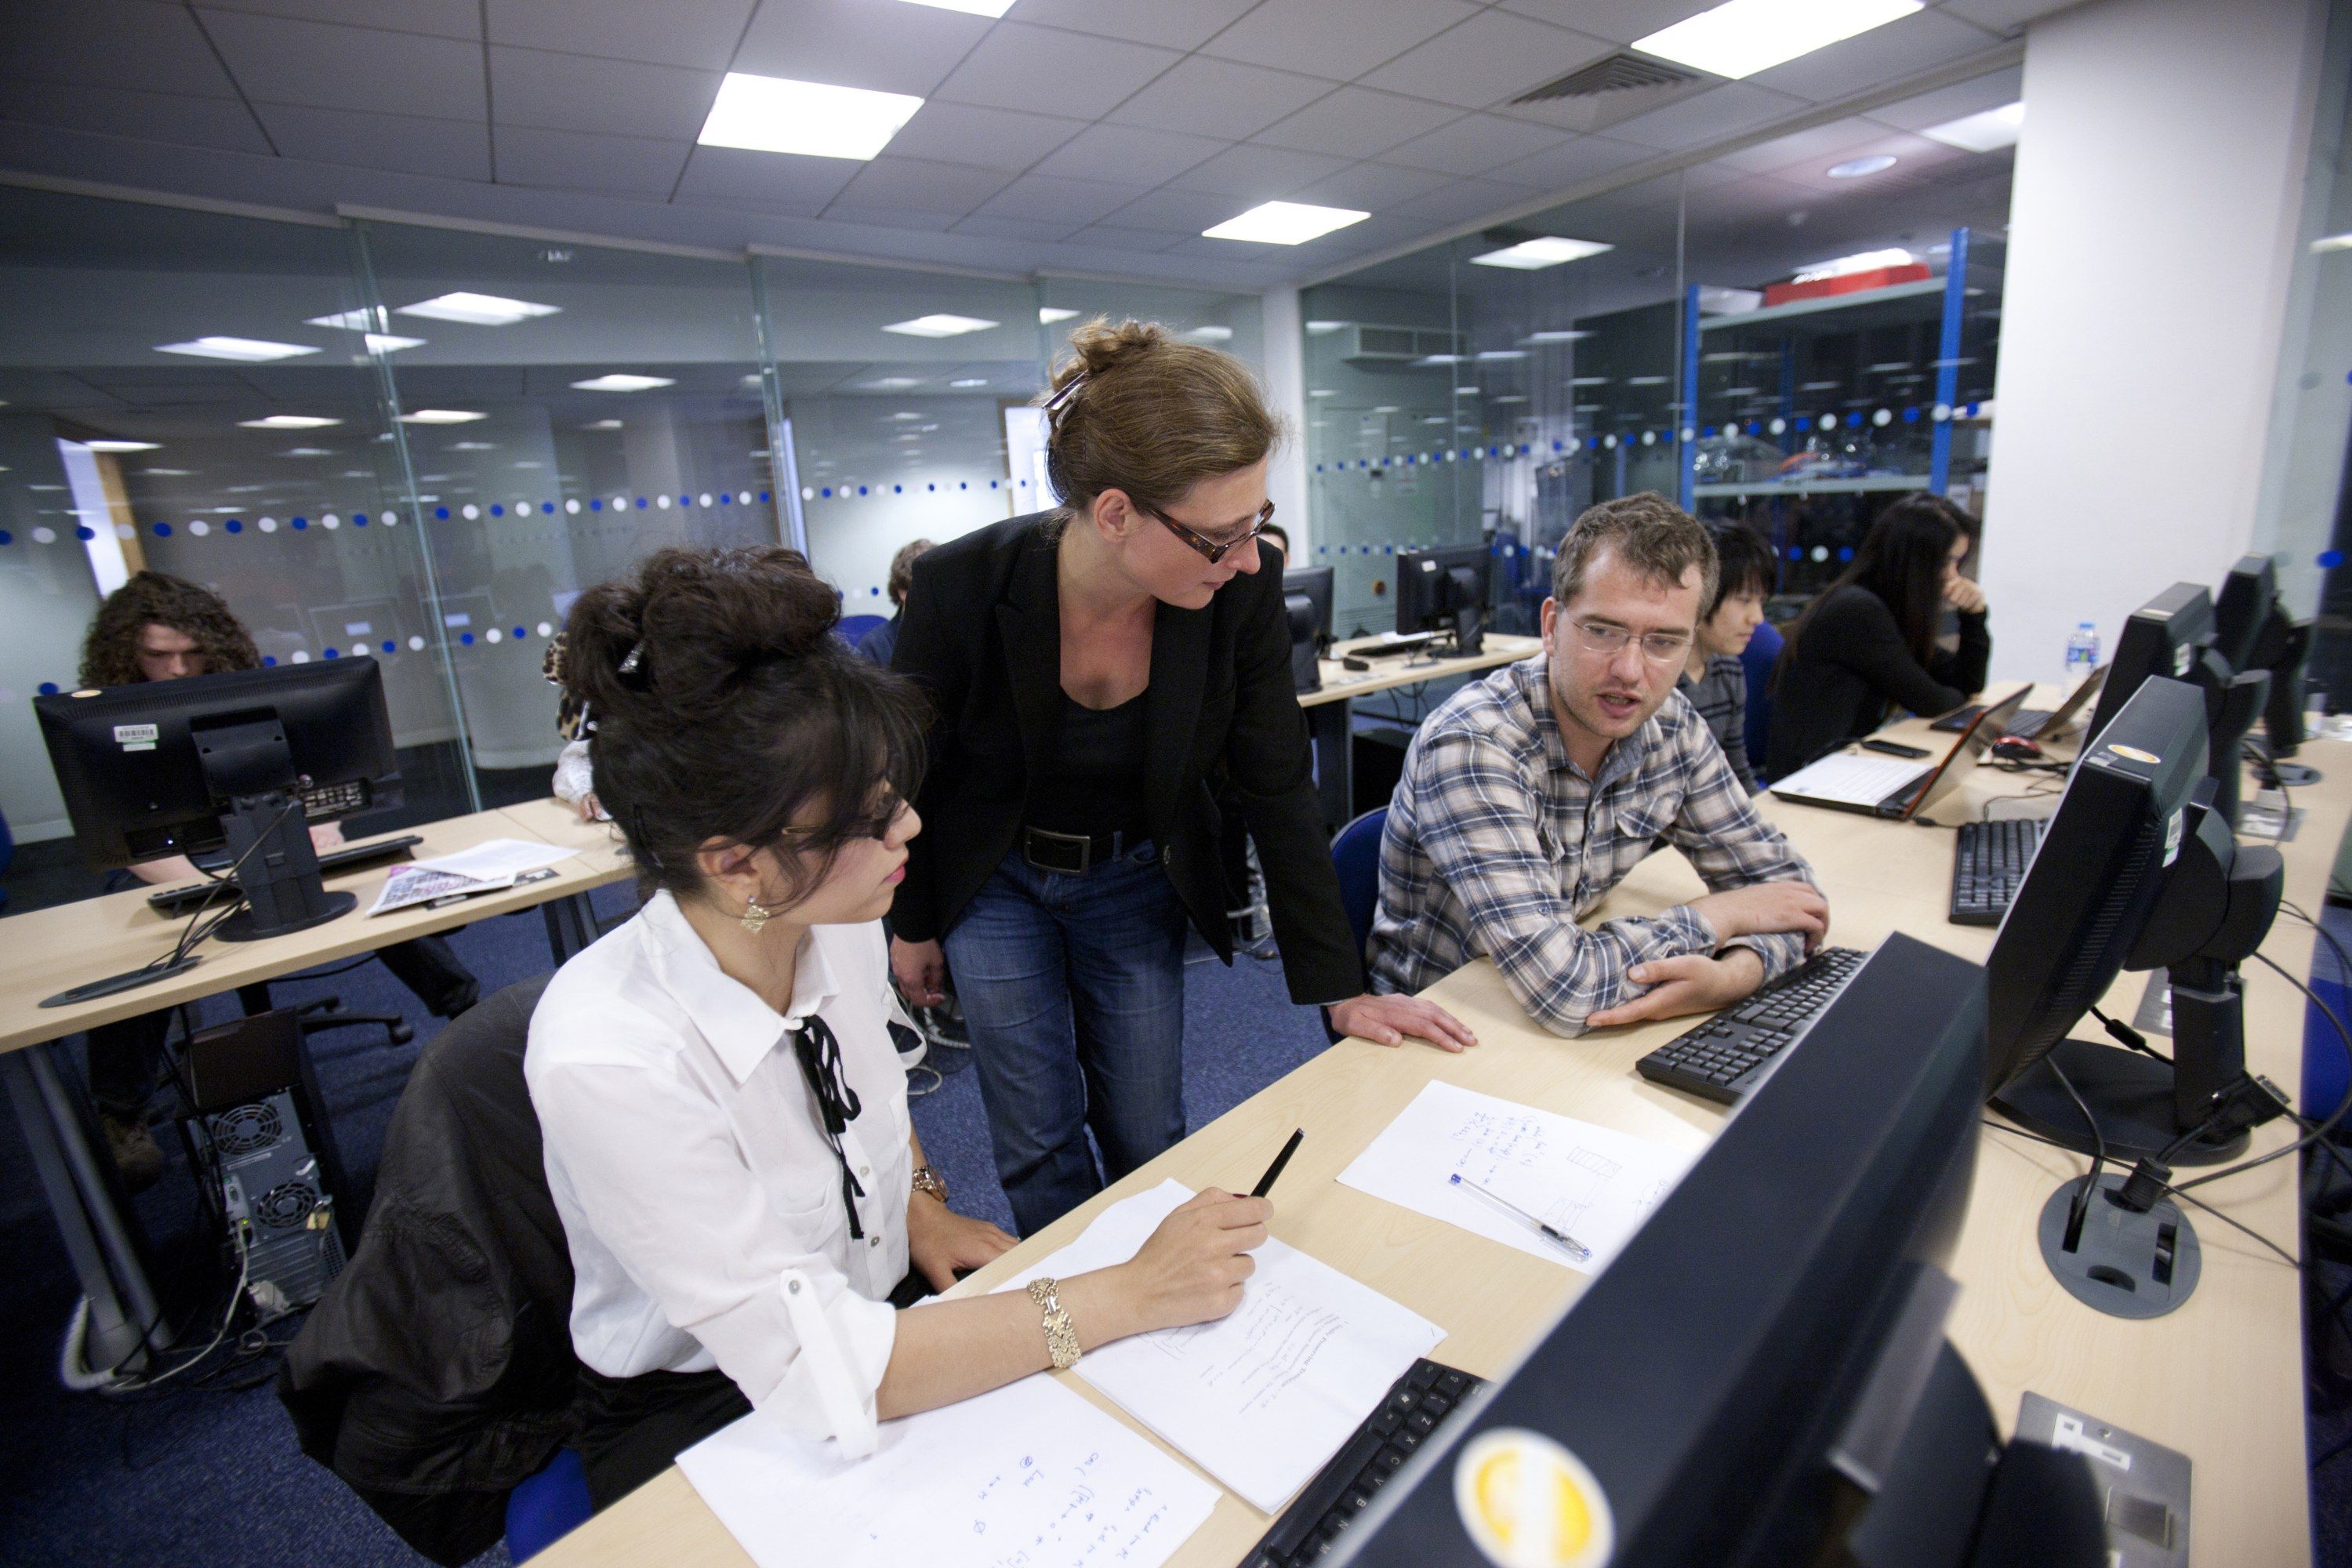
(1608,641)
(1215,550)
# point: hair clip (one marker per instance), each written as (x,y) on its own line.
(1068,387)
(632,660)
(551,666)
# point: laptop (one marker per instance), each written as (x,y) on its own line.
(1898,787)
(2034,723)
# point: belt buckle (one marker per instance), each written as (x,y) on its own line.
(1083,850)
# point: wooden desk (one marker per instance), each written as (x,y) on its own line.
(1331,711)
(2220,1379)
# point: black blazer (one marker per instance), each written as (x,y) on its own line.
(983,635)
(1850,666)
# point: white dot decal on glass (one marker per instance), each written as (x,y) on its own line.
(1575,444)
(1941,412)
(808,492)
(1690,434)
(301,657)
(389,518)
(1820,552)
(661,502)
(494,636)
(329,521)
(469,511)
(620,502)
(45,535)
(267,525)
(416,644)
(546,630)
(1826,422)
(706,499)
(1884,416)
(200,527)
(572,506)
(359,650)
(742,497)
(1649,437)
(520,508)
(1778,426)
(1608,441)
(124,530)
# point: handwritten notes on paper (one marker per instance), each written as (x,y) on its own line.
(1262,1397)
(1030,1476)
(1595,1183)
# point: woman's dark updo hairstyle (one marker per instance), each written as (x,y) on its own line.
(724,709)
(1136,410)
(1902,561)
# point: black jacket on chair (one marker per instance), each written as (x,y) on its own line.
(436,1372)
(982,633)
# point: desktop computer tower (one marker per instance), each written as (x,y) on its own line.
(265,1160)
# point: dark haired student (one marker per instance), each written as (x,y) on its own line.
(1098,671)
(1867,645)
(748,1209)
(1714,679)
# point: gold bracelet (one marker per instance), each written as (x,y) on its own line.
(1061,1334)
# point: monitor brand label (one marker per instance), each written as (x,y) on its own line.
(2172,825)
(2135,754)
(2182,659)
(136,737)
(1530,1503)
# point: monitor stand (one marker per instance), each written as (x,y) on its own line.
(277,870)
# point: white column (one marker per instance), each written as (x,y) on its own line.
(2152,227)
(1286,388)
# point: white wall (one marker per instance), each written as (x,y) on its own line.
(2158,190)
(1286,389)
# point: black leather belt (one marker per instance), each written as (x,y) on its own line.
(1073,854)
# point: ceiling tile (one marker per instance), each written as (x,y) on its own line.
(1252,174)
(453,149)
(1017,67)
(1459,200)
(442,18)
(582,93)
(1338,40)
(2005,16)
(880,44)
(1822,144)
(221,123)
(572,160)
(1619,21)
(1134,239)
(921,185)
(1914,154)
(990,226)
(1723,110)
(1902,47)
(1129,154)
(1172,24)
(1045,198)
(130,45)
(1474,145)
(1175,212)
(1218,98)
(1357,122)
(772,183)
(996,138)
(1573,163)
(1972,97)
(327,66)
(1492,57)
(1370,187)
(892,217)
(697,33)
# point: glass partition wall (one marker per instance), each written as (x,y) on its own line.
(420,444)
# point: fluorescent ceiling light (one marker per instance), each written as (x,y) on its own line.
(1388,409)
(1212,334)
(938,326)
(1549,250)
(1647,380)
(103,445)
(1427,360)
(1490,356)
(969,380)
(308,452)
(621,382)
(290,422)
(2333,242)
(1855,168)
(250,350)
(812,118)
(385,343)
(472,447)
(1321,392)
(968,8)
(1514,397)
(478,310)
(906,414)
(1465,392)
(441,416)
(1741,38)
(1559,337)
(891,384)
(601,425)
(1285,223)
(1982,132)
(1860,261)
(357,321)
(1318,328)
(1046,314)
(1588,381)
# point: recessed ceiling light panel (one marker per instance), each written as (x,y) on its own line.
(1855,168)
(107,446)
(360,320)
(290,422)
(965,383)
(810,119)
(621,382)
(441,416)
(1555,337)
(247,351)
(385,344)
(1741,38)
(1049,314)
(1549,250)
(942,325)
(1982,132)
(478,310)
(1285,223)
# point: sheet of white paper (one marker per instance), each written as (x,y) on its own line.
(422,884)
(1029,1474)
(496,857)
(1595,1183)
(1259,1398)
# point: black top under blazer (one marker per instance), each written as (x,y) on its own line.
(982,635)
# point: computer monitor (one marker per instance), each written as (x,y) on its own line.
(2245,599)
(2174,635)
(1307,597)
(1444,589)
(2136,871)
(1761,1375)
(243,760)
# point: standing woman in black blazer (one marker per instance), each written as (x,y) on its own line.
(1868,643)
(1096,671)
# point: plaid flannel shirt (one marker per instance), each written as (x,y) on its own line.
(1721,698)
(1497,843)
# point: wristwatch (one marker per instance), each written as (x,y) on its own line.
(926,1179)
(1061,1334)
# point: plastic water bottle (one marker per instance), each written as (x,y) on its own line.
(2082,651)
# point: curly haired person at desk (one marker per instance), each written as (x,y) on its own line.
(1530,795)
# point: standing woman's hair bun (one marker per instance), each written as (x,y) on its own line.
(1139,410)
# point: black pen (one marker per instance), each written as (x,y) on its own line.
(1265,1183)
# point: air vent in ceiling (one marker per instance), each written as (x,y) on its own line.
(1621,72)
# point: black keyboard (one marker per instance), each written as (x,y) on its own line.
(1722,1058)
(1415,1409)
(186,896)
(1987,863)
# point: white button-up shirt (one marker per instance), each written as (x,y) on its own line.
(689,1165)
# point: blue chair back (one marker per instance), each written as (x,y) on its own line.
(1355,856)
(1762,652)
(852,629)
(549,1506)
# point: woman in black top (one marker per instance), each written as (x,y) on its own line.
(1868,643)
(1099,674)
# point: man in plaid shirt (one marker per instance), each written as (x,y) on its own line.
(1530,795)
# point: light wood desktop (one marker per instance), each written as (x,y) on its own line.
(2220,1379)
(1330,710)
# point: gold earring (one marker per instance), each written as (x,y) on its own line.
(754,918)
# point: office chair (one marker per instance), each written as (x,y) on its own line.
(325,1013)
(1762,652)
(852,629)
(1355,856)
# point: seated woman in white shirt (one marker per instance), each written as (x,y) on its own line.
(748,1212)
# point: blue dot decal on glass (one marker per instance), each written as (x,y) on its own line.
(7,537)
(334,653)
(269,661)
(1845,552)
(873,593)
(547,507)
(301,523)
(931,487)
(1973,410)
(991,484)
(596,503)
(2331,559)
(84,531)
(964,484)
(163,530)
(641,503)
(496,510)
(826,492)
(1796,552)
(861,489)
(389,646)
(233,526)
(764,495)
(442,512)
(726,497)
(48,689)
(898,489)
(1911,416)
(466,637)
(359,520)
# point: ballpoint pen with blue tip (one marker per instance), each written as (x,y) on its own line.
(1568,1243)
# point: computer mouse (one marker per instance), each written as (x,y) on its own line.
(2015,749)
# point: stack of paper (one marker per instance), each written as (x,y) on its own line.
(488,866)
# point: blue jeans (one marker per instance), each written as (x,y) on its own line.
(1073,987)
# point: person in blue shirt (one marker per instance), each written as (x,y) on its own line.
(880,643)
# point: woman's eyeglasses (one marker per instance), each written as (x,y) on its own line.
(1215,550)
